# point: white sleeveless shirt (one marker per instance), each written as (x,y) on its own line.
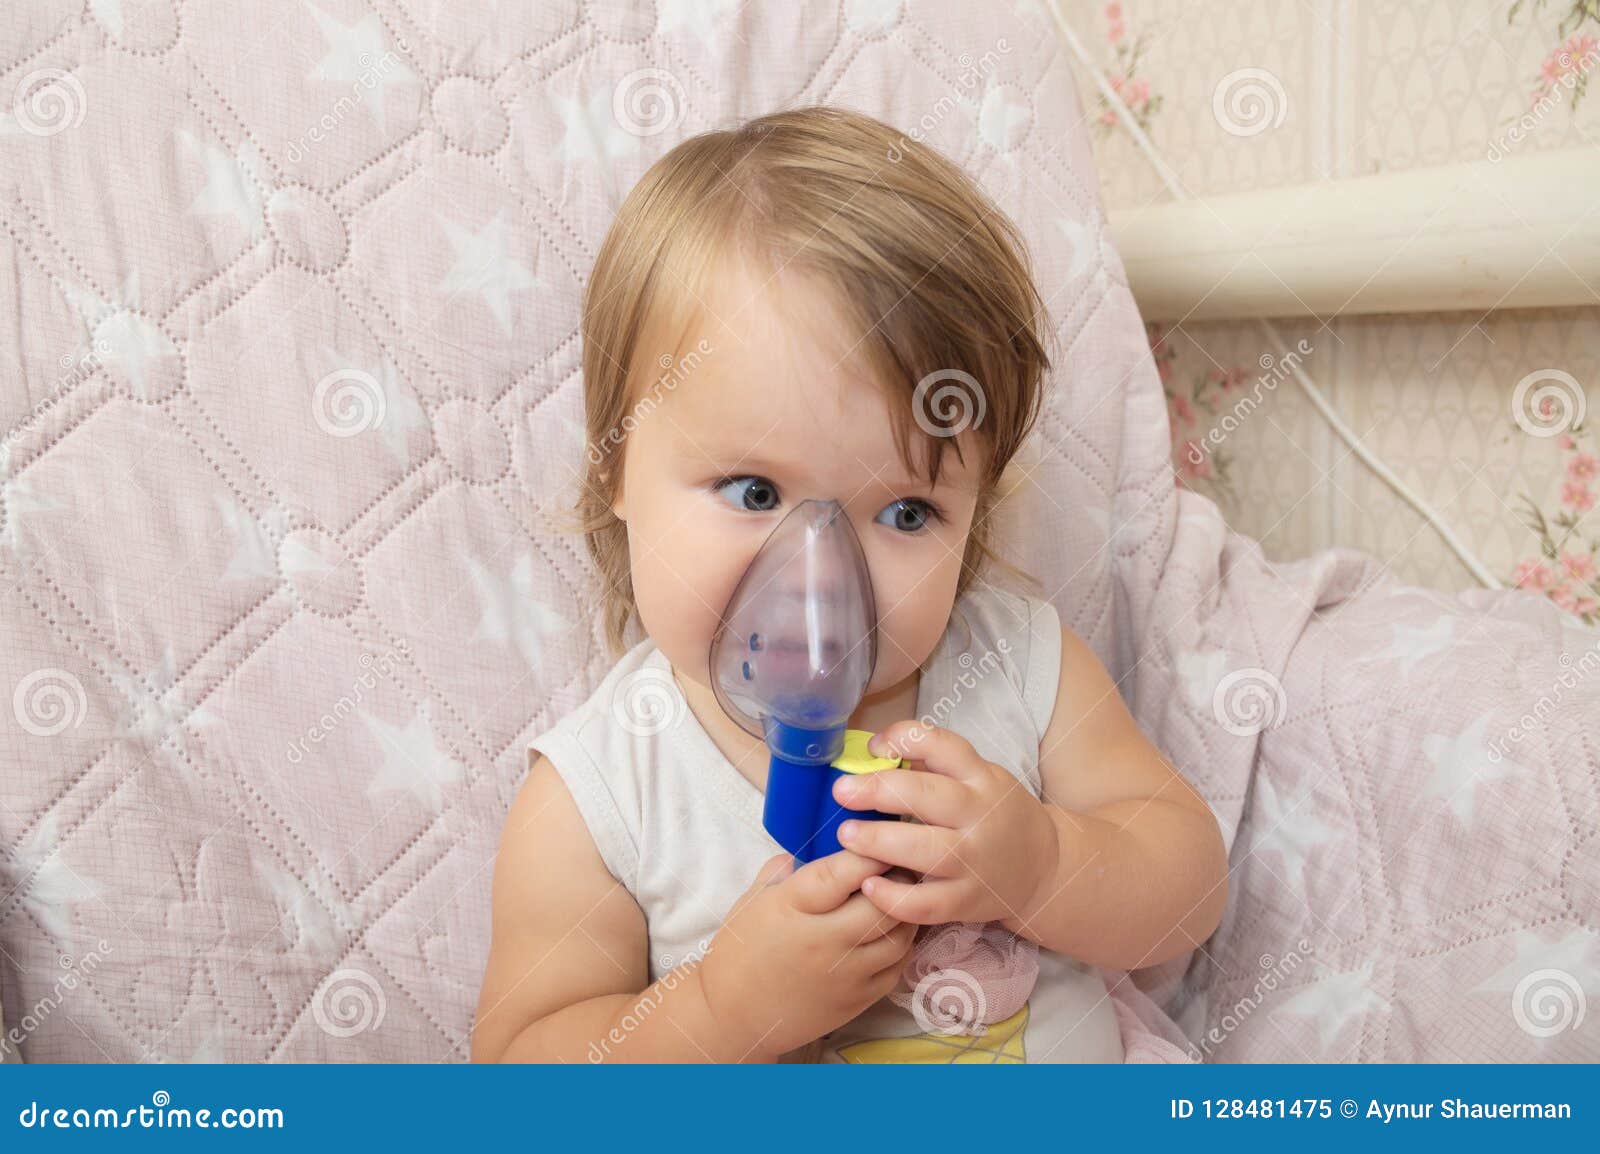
(680,826)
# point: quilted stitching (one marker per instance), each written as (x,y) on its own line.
(299,648)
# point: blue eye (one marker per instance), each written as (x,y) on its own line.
(908,516)
(753,494)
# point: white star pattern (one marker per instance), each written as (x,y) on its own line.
(706,18)
(412,760)
(132,342)
(484,266)
(311,927)
(1572,954)
(356,60)
(1335,1002)
(998,117)
(1081,240)
(47,884)
(1461,767)
(1201,672)
(233,183)
(255,548)
(18,498)
(150,711)
(592,132)
(1291,831)
(1412,644)
(512,612)
(870,15)
(401,412)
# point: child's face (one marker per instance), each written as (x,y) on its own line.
(777,413)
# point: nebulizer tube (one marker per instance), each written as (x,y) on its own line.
(790,662)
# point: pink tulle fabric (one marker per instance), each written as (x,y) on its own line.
(961,976)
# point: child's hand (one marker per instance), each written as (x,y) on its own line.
(802,953)
(986,844)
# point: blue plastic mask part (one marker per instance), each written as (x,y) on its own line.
(790,662)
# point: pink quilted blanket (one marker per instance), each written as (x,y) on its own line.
(289,354)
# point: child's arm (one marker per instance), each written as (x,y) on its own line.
(568,960)
(1139,873)
(1120,865)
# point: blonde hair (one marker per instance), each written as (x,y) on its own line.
(934,275)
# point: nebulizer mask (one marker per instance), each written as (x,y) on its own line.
(790,662)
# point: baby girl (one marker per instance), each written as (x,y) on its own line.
(778,315)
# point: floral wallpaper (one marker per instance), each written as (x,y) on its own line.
(1483,414)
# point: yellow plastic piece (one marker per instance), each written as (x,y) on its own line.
(1001,1043)
(856,759)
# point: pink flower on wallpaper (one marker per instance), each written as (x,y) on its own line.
(1566,59)
(1575,599)
(1579,566)
(1116,32)
(1566,442)
(1535,575)
(1582,466)
(1182,410)
(1577,495)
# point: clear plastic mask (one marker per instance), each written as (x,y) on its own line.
(799,638)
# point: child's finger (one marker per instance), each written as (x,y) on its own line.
(926,903)
(925,796)
(928,849)
(775,869)
(824,884)
(939,750)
